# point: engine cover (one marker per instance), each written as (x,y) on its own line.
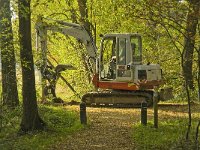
(147,72)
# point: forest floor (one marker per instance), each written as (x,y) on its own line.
(108,129)
(112,128)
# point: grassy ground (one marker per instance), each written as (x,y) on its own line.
(109,127)
(61,123)
(172,129)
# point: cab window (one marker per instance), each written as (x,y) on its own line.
(122,51)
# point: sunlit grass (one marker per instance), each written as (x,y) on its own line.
(64,120)
(171,131)
(147,137)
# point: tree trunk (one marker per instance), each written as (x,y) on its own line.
(189,111)
(72,11)
(9,81)
(84,15)
(198,64)
(85,22)
(197,136)
(198,77)
(30,119)
(191,26)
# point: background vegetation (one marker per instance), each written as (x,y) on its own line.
(171,38)
(161,23)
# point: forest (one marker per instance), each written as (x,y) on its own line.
(100,74)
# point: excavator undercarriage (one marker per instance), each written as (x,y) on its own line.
(118,98)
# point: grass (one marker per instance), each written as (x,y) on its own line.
(147,137)
(171,131)
(61,123)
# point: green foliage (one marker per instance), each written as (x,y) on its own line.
(61,123)
(59,118)
(171,130)
(168,133)
(161,23)
(9,119)
(63,50)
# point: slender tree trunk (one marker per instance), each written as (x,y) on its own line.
(72,11)
(197,136)
(191,27)
(30,119)
(84,14)
(85,22)
(189,111)
(188,100)
(198,77)
(9,81)
(198,52)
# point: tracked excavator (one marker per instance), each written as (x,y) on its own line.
(119,75)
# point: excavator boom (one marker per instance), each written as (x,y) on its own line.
(77,31)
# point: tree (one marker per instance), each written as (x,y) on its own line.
(31,119)
(189,43)
(86,24)
(9,81)
(84,14)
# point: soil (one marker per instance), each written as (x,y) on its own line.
(108,129)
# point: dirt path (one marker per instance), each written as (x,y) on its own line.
(109,129)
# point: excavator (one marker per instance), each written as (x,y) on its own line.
(119,76)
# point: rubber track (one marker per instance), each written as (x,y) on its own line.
(147,94)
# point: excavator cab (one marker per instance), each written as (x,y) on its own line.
(121,61)
(119,53)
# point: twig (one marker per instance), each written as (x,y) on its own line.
(189,111)
(197,136)
(1,112)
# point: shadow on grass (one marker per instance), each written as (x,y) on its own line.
(60,124)
(179,107)
(169,135)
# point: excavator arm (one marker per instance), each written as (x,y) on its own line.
(68,29)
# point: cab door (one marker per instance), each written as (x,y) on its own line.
(129,55)
(108,59)
(124,59)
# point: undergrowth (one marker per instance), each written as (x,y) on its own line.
(60,124)
(170,134)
